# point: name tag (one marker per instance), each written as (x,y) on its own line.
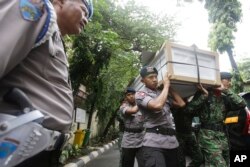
(230,120)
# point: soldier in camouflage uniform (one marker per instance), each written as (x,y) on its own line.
(213,104)
(186,137)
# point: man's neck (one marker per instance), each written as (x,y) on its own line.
(151,88)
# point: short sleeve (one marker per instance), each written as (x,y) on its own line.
(21,21)
(142,99)
(123,108)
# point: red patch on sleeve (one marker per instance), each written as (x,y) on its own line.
(142,94)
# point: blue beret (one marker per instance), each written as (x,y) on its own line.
(89,6)
(130,90)
(148,70)
(225,75)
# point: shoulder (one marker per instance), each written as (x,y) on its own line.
(32,10)
(39,11)
(140,94)
(50,25)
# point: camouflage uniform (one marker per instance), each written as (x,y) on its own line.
(213,139)
(187,139)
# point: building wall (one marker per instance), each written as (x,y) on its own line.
(94,126)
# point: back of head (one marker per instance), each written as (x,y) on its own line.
(225,75)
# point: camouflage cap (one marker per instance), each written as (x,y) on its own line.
(148,70)
(225,75)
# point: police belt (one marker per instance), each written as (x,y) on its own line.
(215,127)
(161,130)
(134,130)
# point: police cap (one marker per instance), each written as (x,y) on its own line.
(225,75)
(130,90)
(148,70)
(89,6)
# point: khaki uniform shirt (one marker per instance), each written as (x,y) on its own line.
(40,69)
(133,121)
(155,118)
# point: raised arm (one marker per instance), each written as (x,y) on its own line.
(127,109)
(159,102)
(132,110)
(199,99)
(178,102)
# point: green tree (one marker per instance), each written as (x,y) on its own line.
(105,56)
(224,15)
(244,68)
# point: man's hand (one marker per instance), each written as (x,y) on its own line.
(203,90)
(166,80)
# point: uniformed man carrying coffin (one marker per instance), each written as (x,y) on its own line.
(33,59)
(212,105)
(159,143)
(133,132)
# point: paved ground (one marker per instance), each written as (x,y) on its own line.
(82,161)
(109,158)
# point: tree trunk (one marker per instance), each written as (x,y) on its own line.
(237,81)
(111,121)
(232,61)
(92,108)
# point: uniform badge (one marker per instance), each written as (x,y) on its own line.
(150,69)
(31,10)
(141,94)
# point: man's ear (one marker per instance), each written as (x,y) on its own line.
(59,2)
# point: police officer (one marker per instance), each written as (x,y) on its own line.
(159,143)
(133,132)
(121,131)
(213,108)
(33,59)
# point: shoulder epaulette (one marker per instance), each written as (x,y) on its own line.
(50,25)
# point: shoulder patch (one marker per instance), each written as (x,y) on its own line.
(141,94)
(31,10)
